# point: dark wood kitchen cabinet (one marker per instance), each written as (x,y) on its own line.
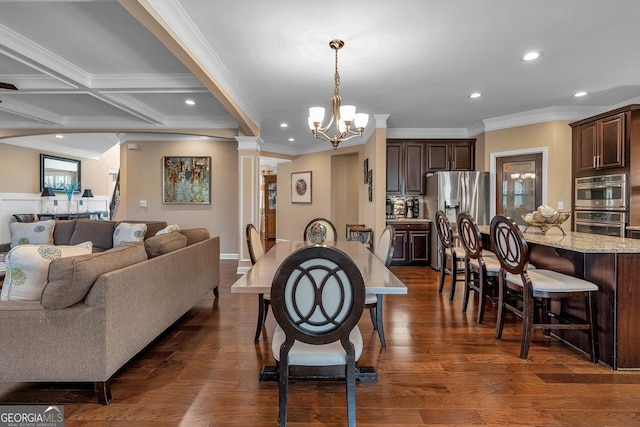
(405,168)
(450,155)
(412,243)
(600,144)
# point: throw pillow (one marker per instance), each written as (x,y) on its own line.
(195,235)
(168,229)
(71,279)
(27,268)
(32,233)
(99,232)
(128,232)
(164,243)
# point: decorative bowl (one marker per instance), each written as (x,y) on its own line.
(546,223)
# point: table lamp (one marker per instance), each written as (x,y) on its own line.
(46,193)
(86,195)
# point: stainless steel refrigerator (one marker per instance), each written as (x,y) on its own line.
(452,193)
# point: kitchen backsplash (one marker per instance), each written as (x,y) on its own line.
(405,207)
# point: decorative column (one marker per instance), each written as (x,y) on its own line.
(248,194)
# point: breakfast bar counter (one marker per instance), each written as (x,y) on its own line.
(612,263)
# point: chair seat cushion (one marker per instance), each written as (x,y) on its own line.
(492,264)
(316,355)
(460,252)
(552,281)
(370,299)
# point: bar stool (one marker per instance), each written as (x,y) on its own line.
(522,291)
(449,251)
(484,269)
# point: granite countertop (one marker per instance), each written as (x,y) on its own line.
(408,220)
(580,242)
(632,227)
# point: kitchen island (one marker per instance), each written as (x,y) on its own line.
(612,263)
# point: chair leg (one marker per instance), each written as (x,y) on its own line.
(528,307)
(379,324)
(482,296)
(454,276)
(501,313)
(351,388)
(443,267)
(372,313)
(590,310)
(467,286)
(261,316)
(546,306)
(283,378)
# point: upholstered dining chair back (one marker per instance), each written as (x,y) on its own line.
(317,298)
(386,244)
(254,244)
(332,235)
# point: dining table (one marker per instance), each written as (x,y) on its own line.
(377,277)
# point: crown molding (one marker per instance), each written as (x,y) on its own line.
(26,111)
(540,116)
(249,143)
(182,25)
(425,133)
(146,82)
(132,106)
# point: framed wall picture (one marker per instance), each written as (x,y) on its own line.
(301,187)
(186,180)
(370,182)
(366,171)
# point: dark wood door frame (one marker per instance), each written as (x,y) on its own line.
(537,158)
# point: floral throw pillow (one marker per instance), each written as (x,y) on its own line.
(32,233)
(128,232)
(27,268)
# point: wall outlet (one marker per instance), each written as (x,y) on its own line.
(560,205)
(143,203)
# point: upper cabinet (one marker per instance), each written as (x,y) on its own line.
(600,144)
(405,167)
(450,155)
(409,160)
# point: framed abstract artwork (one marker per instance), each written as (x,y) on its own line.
(186,180)
(366,171)
(301,187)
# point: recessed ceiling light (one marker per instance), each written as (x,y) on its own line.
(59,136)
(190,102)
(579,94)
(532,55)
(283,125)
(475,95)
(291,139)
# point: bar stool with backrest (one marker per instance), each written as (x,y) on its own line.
(522,292)
(449,251)
(480,272)
(256,251)
(317,296)
(332,235)
(384,252)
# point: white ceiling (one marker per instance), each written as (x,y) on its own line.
(91,65)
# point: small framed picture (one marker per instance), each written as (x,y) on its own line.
(301,187)
(366,171)
(370,182)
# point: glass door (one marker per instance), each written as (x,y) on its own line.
(519,185)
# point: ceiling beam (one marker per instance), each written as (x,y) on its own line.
(145,13)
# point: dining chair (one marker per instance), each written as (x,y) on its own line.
(256,251)
(449,251)
(384,252)
(317,298)
(332,235)
(524,291)
(480,271)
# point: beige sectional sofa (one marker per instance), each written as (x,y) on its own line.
(99,310)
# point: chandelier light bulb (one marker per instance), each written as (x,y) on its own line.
(347,112)
(361,120)
(316,114)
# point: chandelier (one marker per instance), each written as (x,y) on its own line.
(347,123)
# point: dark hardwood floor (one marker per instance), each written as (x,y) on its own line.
(439,368)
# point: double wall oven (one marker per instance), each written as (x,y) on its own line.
(601,205)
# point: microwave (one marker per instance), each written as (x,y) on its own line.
(603,192)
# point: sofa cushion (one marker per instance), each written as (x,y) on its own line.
(195,235)
(128,232)
(99,232)
(32,233)
(63,231)
(71,279)
(27,267)
(164,243)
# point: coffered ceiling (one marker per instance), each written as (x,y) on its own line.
(100,66)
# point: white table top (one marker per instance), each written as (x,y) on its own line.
(377,278)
